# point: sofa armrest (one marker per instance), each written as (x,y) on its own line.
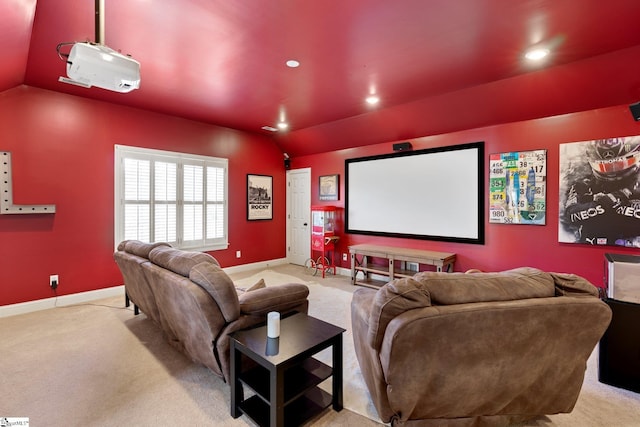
(573,285)
(391,300)
(274,298)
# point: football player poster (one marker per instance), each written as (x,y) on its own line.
(600,192)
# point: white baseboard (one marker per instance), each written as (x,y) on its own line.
(61,301)
(83,297)
(255,266)
(341,271)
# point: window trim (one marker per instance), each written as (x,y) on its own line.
(123,151)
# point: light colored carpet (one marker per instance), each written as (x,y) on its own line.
(99,365)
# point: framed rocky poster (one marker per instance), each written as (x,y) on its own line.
(259,197)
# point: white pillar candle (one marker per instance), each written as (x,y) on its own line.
(273,324)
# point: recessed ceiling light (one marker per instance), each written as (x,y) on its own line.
(292,63)
(372,99)
(283,125)
(536,54)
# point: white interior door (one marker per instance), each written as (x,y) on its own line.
(298,215)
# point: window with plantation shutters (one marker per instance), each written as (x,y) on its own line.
(178,198)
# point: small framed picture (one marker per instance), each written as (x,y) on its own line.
(259,197)
(329,187)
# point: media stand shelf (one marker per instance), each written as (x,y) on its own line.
(395,263)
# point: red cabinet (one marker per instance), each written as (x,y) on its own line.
(323,239)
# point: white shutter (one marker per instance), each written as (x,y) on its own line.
(215,202)
(136,222)
(171,197)
(165,200)
(193,195)
(137,187)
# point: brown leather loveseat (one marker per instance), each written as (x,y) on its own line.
(194,301)
(483,349)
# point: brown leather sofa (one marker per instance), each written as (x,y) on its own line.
(194,301)
(482,349)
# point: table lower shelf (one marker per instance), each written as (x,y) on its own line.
(371,283)
(297,379)
(297,412)
(383,277)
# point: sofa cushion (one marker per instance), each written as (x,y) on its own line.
(461,288)
(179,261)
(214,280)
(139,248)
(392,299)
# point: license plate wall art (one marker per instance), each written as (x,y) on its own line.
(517,187)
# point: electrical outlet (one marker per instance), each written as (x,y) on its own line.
(238,254)
(53,281)
(344,257)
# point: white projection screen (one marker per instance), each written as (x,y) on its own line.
(431,194)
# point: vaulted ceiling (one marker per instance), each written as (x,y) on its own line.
(437,65)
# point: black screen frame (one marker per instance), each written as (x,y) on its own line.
(479,219)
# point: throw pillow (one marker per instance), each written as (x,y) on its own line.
(258,285)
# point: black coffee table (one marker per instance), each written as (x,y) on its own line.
(285,376)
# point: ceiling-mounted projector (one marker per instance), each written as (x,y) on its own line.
(97,65)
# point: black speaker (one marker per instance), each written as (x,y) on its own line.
(635,111)
(287,164)
(619,352)
(402,146)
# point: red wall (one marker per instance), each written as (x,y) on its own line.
(62,154)
(62,151)
(507,246)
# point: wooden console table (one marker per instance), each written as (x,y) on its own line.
(395,265)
